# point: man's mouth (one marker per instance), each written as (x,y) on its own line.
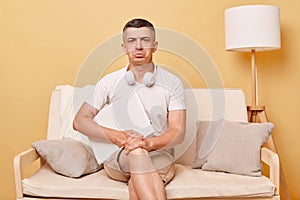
(139,55)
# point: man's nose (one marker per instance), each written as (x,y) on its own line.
(139,44)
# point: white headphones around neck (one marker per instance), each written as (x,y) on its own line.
(148,79)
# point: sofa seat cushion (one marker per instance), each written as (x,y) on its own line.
(193,183)
(188,183)
(46,183)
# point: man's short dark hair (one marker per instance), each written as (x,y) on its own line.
(138,23)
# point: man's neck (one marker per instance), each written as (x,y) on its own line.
(140,70)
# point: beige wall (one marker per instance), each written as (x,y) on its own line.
(43,44)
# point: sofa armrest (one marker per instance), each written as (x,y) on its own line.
(21,161)
(272,160)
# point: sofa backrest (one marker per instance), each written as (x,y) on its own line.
(202,104)
(209,105)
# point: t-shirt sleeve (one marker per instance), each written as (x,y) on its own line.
(99,97)
(177,99)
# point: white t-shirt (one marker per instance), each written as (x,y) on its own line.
(165,95)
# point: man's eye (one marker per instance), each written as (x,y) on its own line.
(146,39)
(130,40)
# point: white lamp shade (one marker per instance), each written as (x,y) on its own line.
(252,27)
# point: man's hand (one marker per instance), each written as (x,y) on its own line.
(114,136)
(134,140)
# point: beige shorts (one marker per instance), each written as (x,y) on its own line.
(162,160)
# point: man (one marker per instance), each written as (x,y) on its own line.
(146,163)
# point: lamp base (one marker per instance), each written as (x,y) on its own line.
(257,114)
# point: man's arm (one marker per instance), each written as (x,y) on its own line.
(84,123)
(173,136)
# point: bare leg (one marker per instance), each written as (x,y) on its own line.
(145,182)
(148,186)
(132,192)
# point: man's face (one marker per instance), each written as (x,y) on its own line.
(139,44)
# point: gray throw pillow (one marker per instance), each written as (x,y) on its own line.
(232,147)
(67,156)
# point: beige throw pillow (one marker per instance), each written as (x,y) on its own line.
(67,156)
(231,146)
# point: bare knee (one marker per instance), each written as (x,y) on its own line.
(140,162)
(139,151)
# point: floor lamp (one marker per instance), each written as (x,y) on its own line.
(254,28)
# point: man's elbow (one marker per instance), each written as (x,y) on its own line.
(75,124)
(181,136)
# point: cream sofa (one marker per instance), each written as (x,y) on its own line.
(202,104)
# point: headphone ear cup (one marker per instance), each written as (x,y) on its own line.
(149,79)
(129,76)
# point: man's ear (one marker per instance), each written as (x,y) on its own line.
(155,46)
(124,48)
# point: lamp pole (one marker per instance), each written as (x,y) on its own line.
(255,112)
(254,79)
